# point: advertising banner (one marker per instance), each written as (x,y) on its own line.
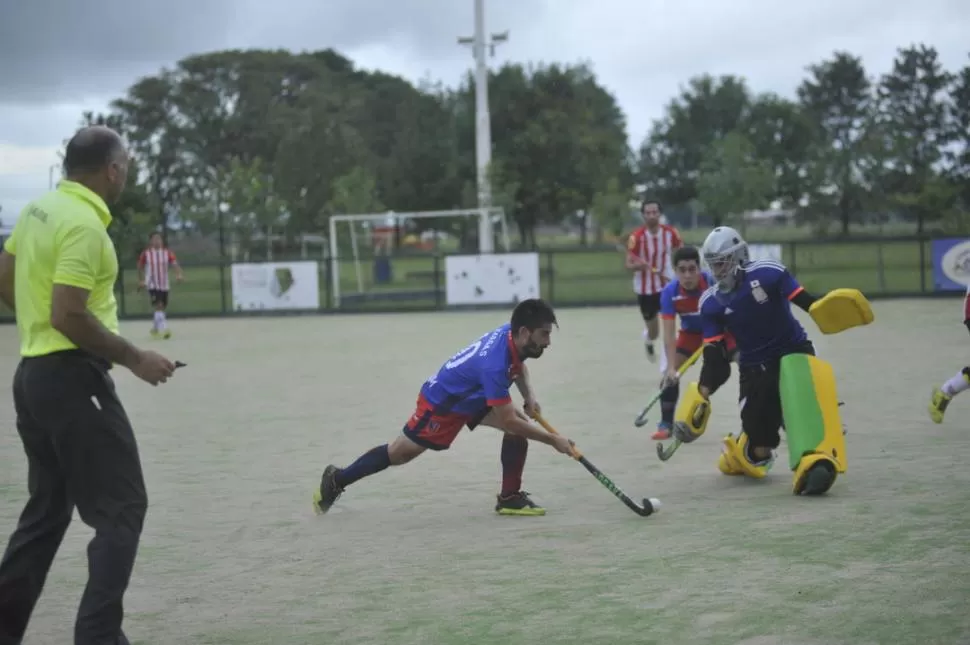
(491,279)
(275,285)
(951,264)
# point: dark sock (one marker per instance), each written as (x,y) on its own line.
(371,462)
(749,453)
(514,450)
(668,403)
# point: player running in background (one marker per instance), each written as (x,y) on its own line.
(781,380)
(470,389)
(960,382)
(648,252)
(153,266)
(681,297)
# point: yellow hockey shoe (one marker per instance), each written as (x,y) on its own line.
(938,403)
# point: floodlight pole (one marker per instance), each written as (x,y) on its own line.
(483,130)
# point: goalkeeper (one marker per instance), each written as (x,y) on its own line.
(782,384)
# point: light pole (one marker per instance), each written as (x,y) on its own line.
(483,129)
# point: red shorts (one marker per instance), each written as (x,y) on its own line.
(689,342)
(437,431)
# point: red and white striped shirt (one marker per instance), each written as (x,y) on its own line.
(656,250)
(155,262)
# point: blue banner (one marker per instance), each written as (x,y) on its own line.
(951,264)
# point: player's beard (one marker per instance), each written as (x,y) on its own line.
(533,350)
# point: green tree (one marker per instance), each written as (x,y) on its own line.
(240,202)
(558,136)
(959,154)
(705,111)
(913,113)
(733,180)
(611,210)
(782,135)
(838,99)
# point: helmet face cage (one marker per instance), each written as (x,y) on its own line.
(725,252)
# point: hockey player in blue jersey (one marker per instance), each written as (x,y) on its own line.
(782,383)
(470,389)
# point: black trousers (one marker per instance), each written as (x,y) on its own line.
(81,453)
(760,397)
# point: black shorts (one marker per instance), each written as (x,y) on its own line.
(649,305)
(158,297)
(760,399)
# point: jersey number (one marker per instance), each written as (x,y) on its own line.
(464,355)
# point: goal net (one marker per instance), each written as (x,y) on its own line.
(388,256)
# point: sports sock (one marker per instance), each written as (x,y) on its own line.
(514,451)
(749,454)
(370,463)
(668,403)
(161,320)
(158,320)
(957,384)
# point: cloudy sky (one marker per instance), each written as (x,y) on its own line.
(61,57)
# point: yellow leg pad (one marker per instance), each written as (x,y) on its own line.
(693,413)
(813,427)
(841,309)
(734,459)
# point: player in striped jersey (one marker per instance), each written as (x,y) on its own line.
(648,256)
(960,382)
(153,264)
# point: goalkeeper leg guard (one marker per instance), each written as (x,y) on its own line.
(694,410)
(810,406)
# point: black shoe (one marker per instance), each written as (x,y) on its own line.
(518,504)
(329,492)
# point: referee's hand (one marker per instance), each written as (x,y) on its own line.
(152,367)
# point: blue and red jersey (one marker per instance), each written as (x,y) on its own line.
(675,301)
(477,377)
(757,313)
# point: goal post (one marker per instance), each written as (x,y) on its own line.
(349,233)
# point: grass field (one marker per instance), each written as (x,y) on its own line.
(233,555)
(574,277)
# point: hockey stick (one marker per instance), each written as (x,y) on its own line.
(641,419)
(650,504)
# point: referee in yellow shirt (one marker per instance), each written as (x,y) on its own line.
(58,272)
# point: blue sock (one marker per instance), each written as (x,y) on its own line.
(371,462)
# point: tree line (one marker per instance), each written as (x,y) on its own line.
(257,142)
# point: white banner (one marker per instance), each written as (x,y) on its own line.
(491,279)
(275,285)
(765,252)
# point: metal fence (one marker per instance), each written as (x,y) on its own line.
(883,267)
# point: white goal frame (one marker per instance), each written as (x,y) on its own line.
(484,215)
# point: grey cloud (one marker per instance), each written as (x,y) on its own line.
(62,49)
(66,50)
